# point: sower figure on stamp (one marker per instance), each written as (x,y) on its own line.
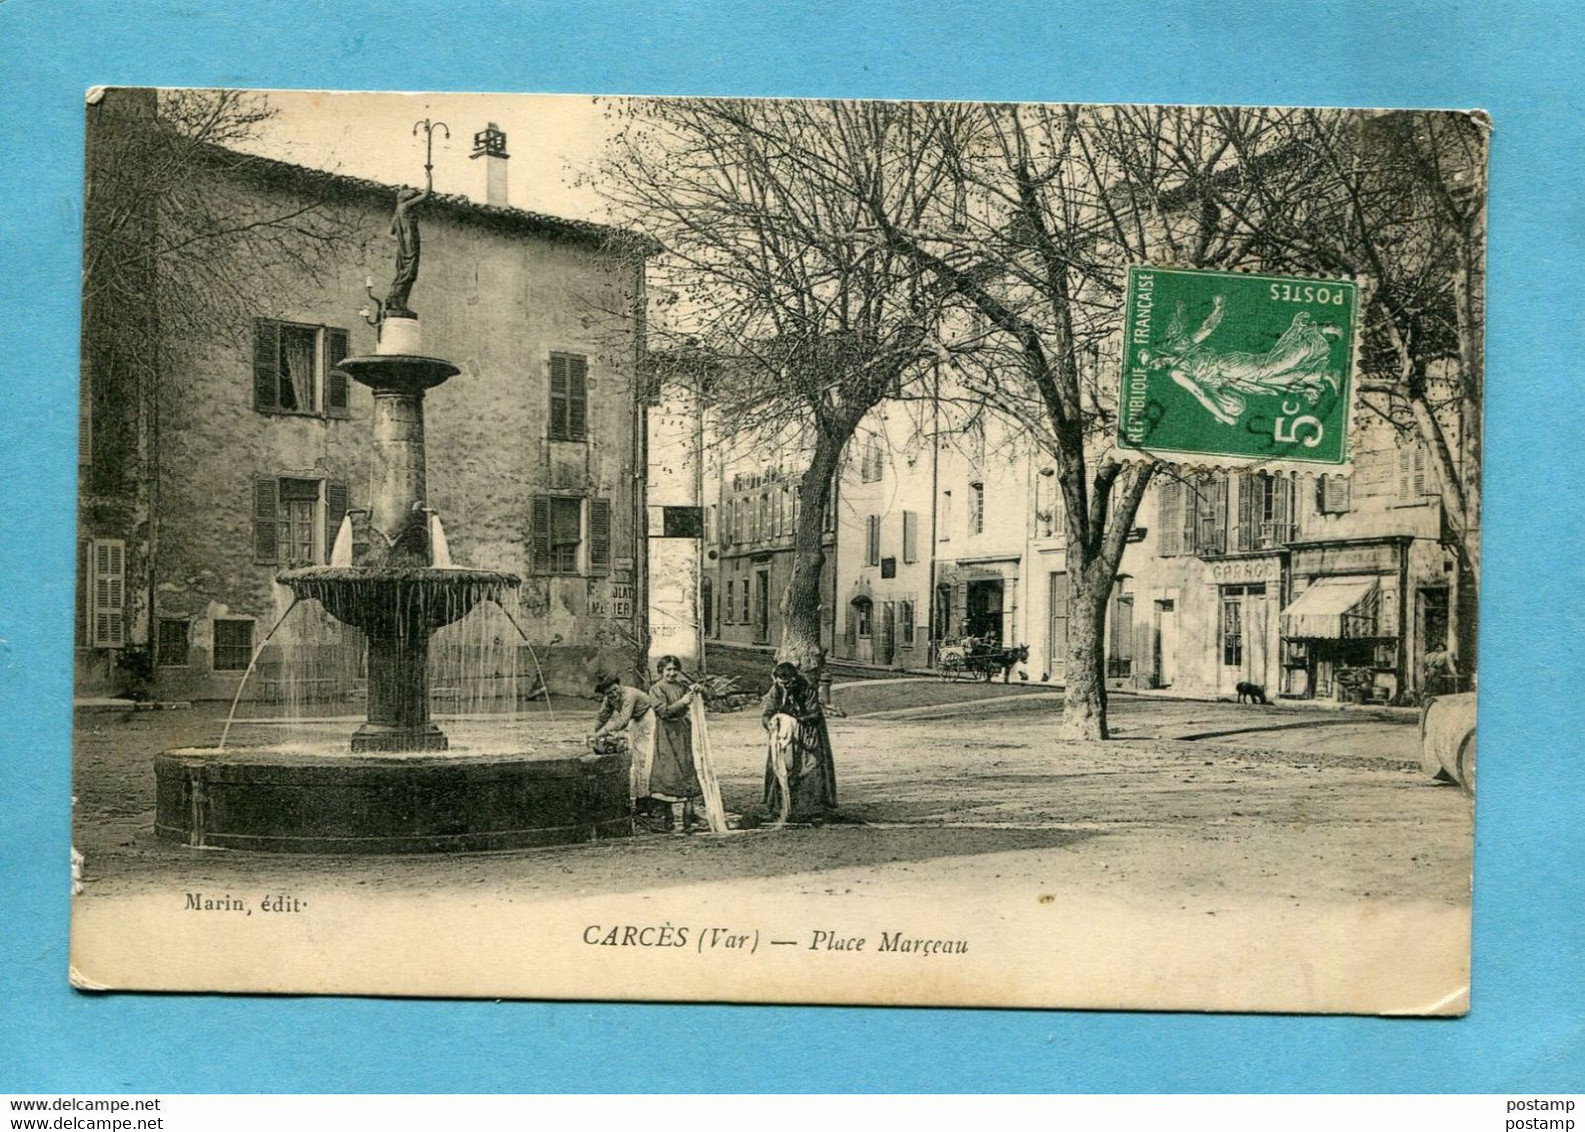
(1299,362)
(800,773)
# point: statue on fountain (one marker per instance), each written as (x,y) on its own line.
(404,226)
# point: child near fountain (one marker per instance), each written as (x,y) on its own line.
(672,776)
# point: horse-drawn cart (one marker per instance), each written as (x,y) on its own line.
(974,658)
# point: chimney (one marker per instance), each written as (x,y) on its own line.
(490,144)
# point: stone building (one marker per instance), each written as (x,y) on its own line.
(1307,585)
(239,457)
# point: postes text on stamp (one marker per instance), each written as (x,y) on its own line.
(1229,367)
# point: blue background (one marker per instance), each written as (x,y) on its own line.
(1520,61)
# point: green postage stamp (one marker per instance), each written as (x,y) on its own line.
(1232,368)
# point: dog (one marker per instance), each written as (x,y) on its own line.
(1251,693)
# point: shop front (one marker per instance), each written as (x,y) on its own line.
(1342,628)
(977,599)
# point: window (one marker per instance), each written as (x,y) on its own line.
(172,642)
(905,620)
(729,607)
(1264,510)
(871,464)
(872,540)
(557,534)
(764,517)
(784,511)
(1169,522)
(745,602)
(976,508)
(233,645)
(569,397)
(295,520)
(1333,494)
(1415,478)
(599,536)
(946,516)
(707,605)
(910,536)
(862,610)
(1046,504)
(107,584)
(294,368)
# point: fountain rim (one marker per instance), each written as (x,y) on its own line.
(466,575)
(397,373)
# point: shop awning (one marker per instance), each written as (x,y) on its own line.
(1333,609)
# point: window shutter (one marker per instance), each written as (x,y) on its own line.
(1218,524)
(873,540)
(577,397)
(1192,492)
(266,547)
(85,601)
(1405,473)
(1337,491)
(539,534)
(266,364)
(599,536)
(1282,506)
(558,397)
(1422,480)
(910,536)
(109,592)
(1248,511)
(337,403)
(1170,507)
(337,500)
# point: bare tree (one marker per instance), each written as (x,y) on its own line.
(1399,200)
(1049,205)
(793,320)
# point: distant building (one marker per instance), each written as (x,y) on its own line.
(241,458)
(1307,585)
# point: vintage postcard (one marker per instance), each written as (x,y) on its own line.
(778,551)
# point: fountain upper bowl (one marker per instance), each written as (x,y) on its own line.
(392,599)
(397,373)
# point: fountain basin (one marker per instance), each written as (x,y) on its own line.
(397,373)
(393,600)
(288,801)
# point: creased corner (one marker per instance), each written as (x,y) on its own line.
(1454,1004)
(82,982)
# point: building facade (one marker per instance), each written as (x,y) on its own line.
(250,448)
(946,526)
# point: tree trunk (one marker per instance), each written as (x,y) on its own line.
(1095,552)
(801,600)
(1084,701)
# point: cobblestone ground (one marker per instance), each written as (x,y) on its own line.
(1193,804)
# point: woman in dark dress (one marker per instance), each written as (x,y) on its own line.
(672,777)
(800,744)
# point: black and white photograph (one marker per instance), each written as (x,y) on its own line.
(778,551)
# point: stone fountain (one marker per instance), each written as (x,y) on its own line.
(398,786)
